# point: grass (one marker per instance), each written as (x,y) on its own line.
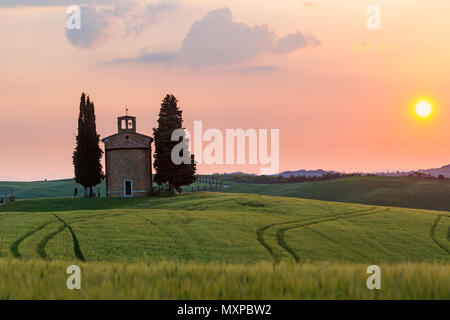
(407,192)
(45,189)
(221,228)
(241,240)
(34,279)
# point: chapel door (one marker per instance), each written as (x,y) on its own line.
(128,188)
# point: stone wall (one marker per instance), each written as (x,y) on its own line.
(128,164)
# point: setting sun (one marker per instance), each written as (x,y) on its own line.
(423,109)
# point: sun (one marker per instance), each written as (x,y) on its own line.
(424,109)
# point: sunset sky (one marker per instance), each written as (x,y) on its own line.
(343,96)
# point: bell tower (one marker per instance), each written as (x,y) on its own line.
(126,124)
(128,161)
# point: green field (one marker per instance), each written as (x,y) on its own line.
(45,189)
(408,192)
(63,188)
(240,234)
(168,280)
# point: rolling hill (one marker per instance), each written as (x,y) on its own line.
(445,171)
(188,239)
(218,227)
(408,192)
(44,189)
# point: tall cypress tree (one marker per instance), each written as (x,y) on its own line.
(170,119)
(88,154)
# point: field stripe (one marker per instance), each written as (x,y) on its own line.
(14,248)
(76,243)
(337,243)
(171,235)
(260,232)
(260,238)
(40,249)
(76,246)
(432,234)
(280,235)
(448,230)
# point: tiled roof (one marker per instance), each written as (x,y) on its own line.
(119,141)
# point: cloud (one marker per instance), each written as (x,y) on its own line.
(156,57)
(217,40)
(258,69)
(99,24)
(140,17)
(295,41)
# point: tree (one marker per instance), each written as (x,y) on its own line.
(176,175)
(88,154)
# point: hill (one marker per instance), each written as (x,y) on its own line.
(217,227)
(445,171)
(408,192)
(306,173)
(44,189)
(216,245)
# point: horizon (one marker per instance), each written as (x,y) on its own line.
(251,173)
(342,95)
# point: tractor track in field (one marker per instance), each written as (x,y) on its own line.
(76,245)
(337,243)
(433,230)
(280,235)
(448,229)
(40,249)
(171,235)
(260,232)
(14,248)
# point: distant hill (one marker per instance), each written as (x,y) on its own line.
(444,170)
(306,173)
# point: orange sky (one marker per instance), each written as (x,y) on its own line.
(346,104)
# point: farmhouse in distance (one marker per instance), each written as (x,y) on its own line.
(128,161)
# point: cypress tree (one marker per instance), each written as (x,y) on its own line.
(87,154)
(170,119)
